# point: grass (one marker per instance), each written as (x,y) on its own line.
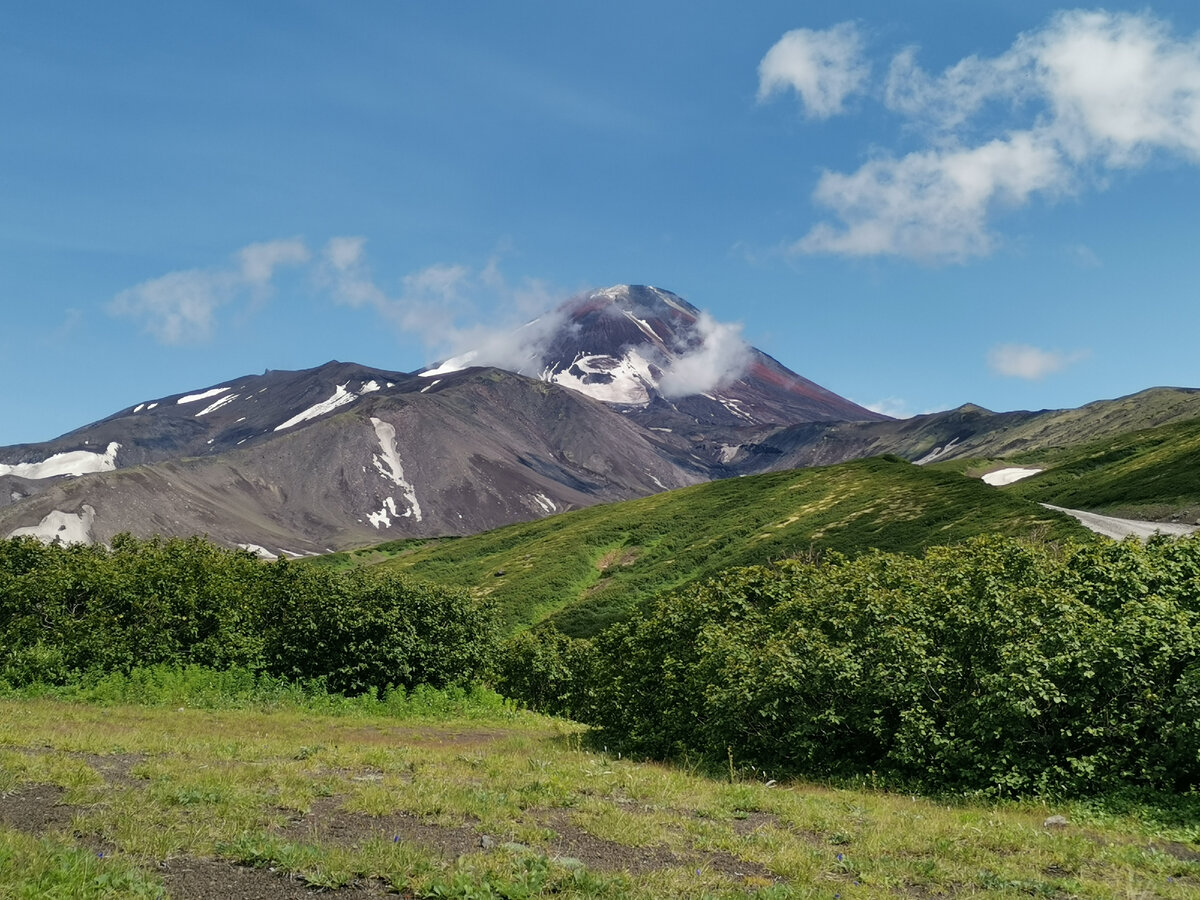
(1145,474)
(365,798)
(588,568)
(1148,474)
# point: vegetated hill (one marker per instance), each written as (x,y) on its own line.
(1149,474)
(967,432)
(588,568)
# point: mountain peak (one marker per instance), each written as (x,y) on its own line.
(639,346)
(636,346)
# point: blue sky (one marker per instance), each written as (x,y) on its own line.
(913,206)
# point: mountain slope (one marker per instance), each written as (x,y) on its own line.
(344,455)
(651,351)
(629,391)
(967,432)
(586,568)
(1147,474)
(479,449)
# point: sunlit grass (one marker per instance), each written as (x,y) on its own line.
(232,784)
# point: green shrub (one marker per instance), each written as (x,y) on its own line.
(74,611)
(549,672)
(996,666)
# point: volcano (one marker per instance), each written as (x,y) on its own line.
(651,354)
(618,393)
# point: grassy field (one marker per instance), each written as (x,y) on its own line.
(139,801)
(589,568)
(1145,474)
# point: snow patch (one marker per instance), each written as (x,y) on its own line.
(432,384)
(734,406)
(151,406)
(643,325)
(389,466)
(369,387)
(381,519)
(454,364)
(650,475)
(73,462)
(729,451)
(260,552)
(545,503)
(139,407)
(341,396)
(1008,476)
(69,528)
(671,301)
(204,395)
(629,382)
(228,398)
(936,453)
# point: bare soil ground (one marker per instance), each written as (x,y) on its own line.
(208,879)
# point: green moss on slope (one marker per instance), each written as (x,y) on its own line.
(588,568)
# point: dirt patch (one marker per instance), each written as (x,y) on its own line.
(609,856)
(754,821)
(327,822)
(212,879)
(115,768)
(622,556)
(601,855)
(34,808)
(1179,851)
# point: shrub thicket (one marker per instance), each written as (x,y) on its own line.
(65,611)
(995,666)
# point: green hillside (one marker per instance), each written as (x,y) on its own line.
(588,568)
(1148,474)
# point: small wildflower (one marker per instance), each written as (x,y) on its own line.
(840,857)
(396,839)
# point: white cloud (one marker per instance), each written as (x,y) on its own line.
(721,356)
(1084,256)
(1089,93)
(895,407)
(823,67)
(1032,363)
(446,306)
(931,206)
(180,307)
(1119,85)
(259,261)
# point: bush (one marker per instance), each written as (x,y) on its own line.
(548,672)
(367,631)
(69,611)
(997,666)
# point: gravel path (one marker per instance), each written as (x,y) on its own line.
(1123,528)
